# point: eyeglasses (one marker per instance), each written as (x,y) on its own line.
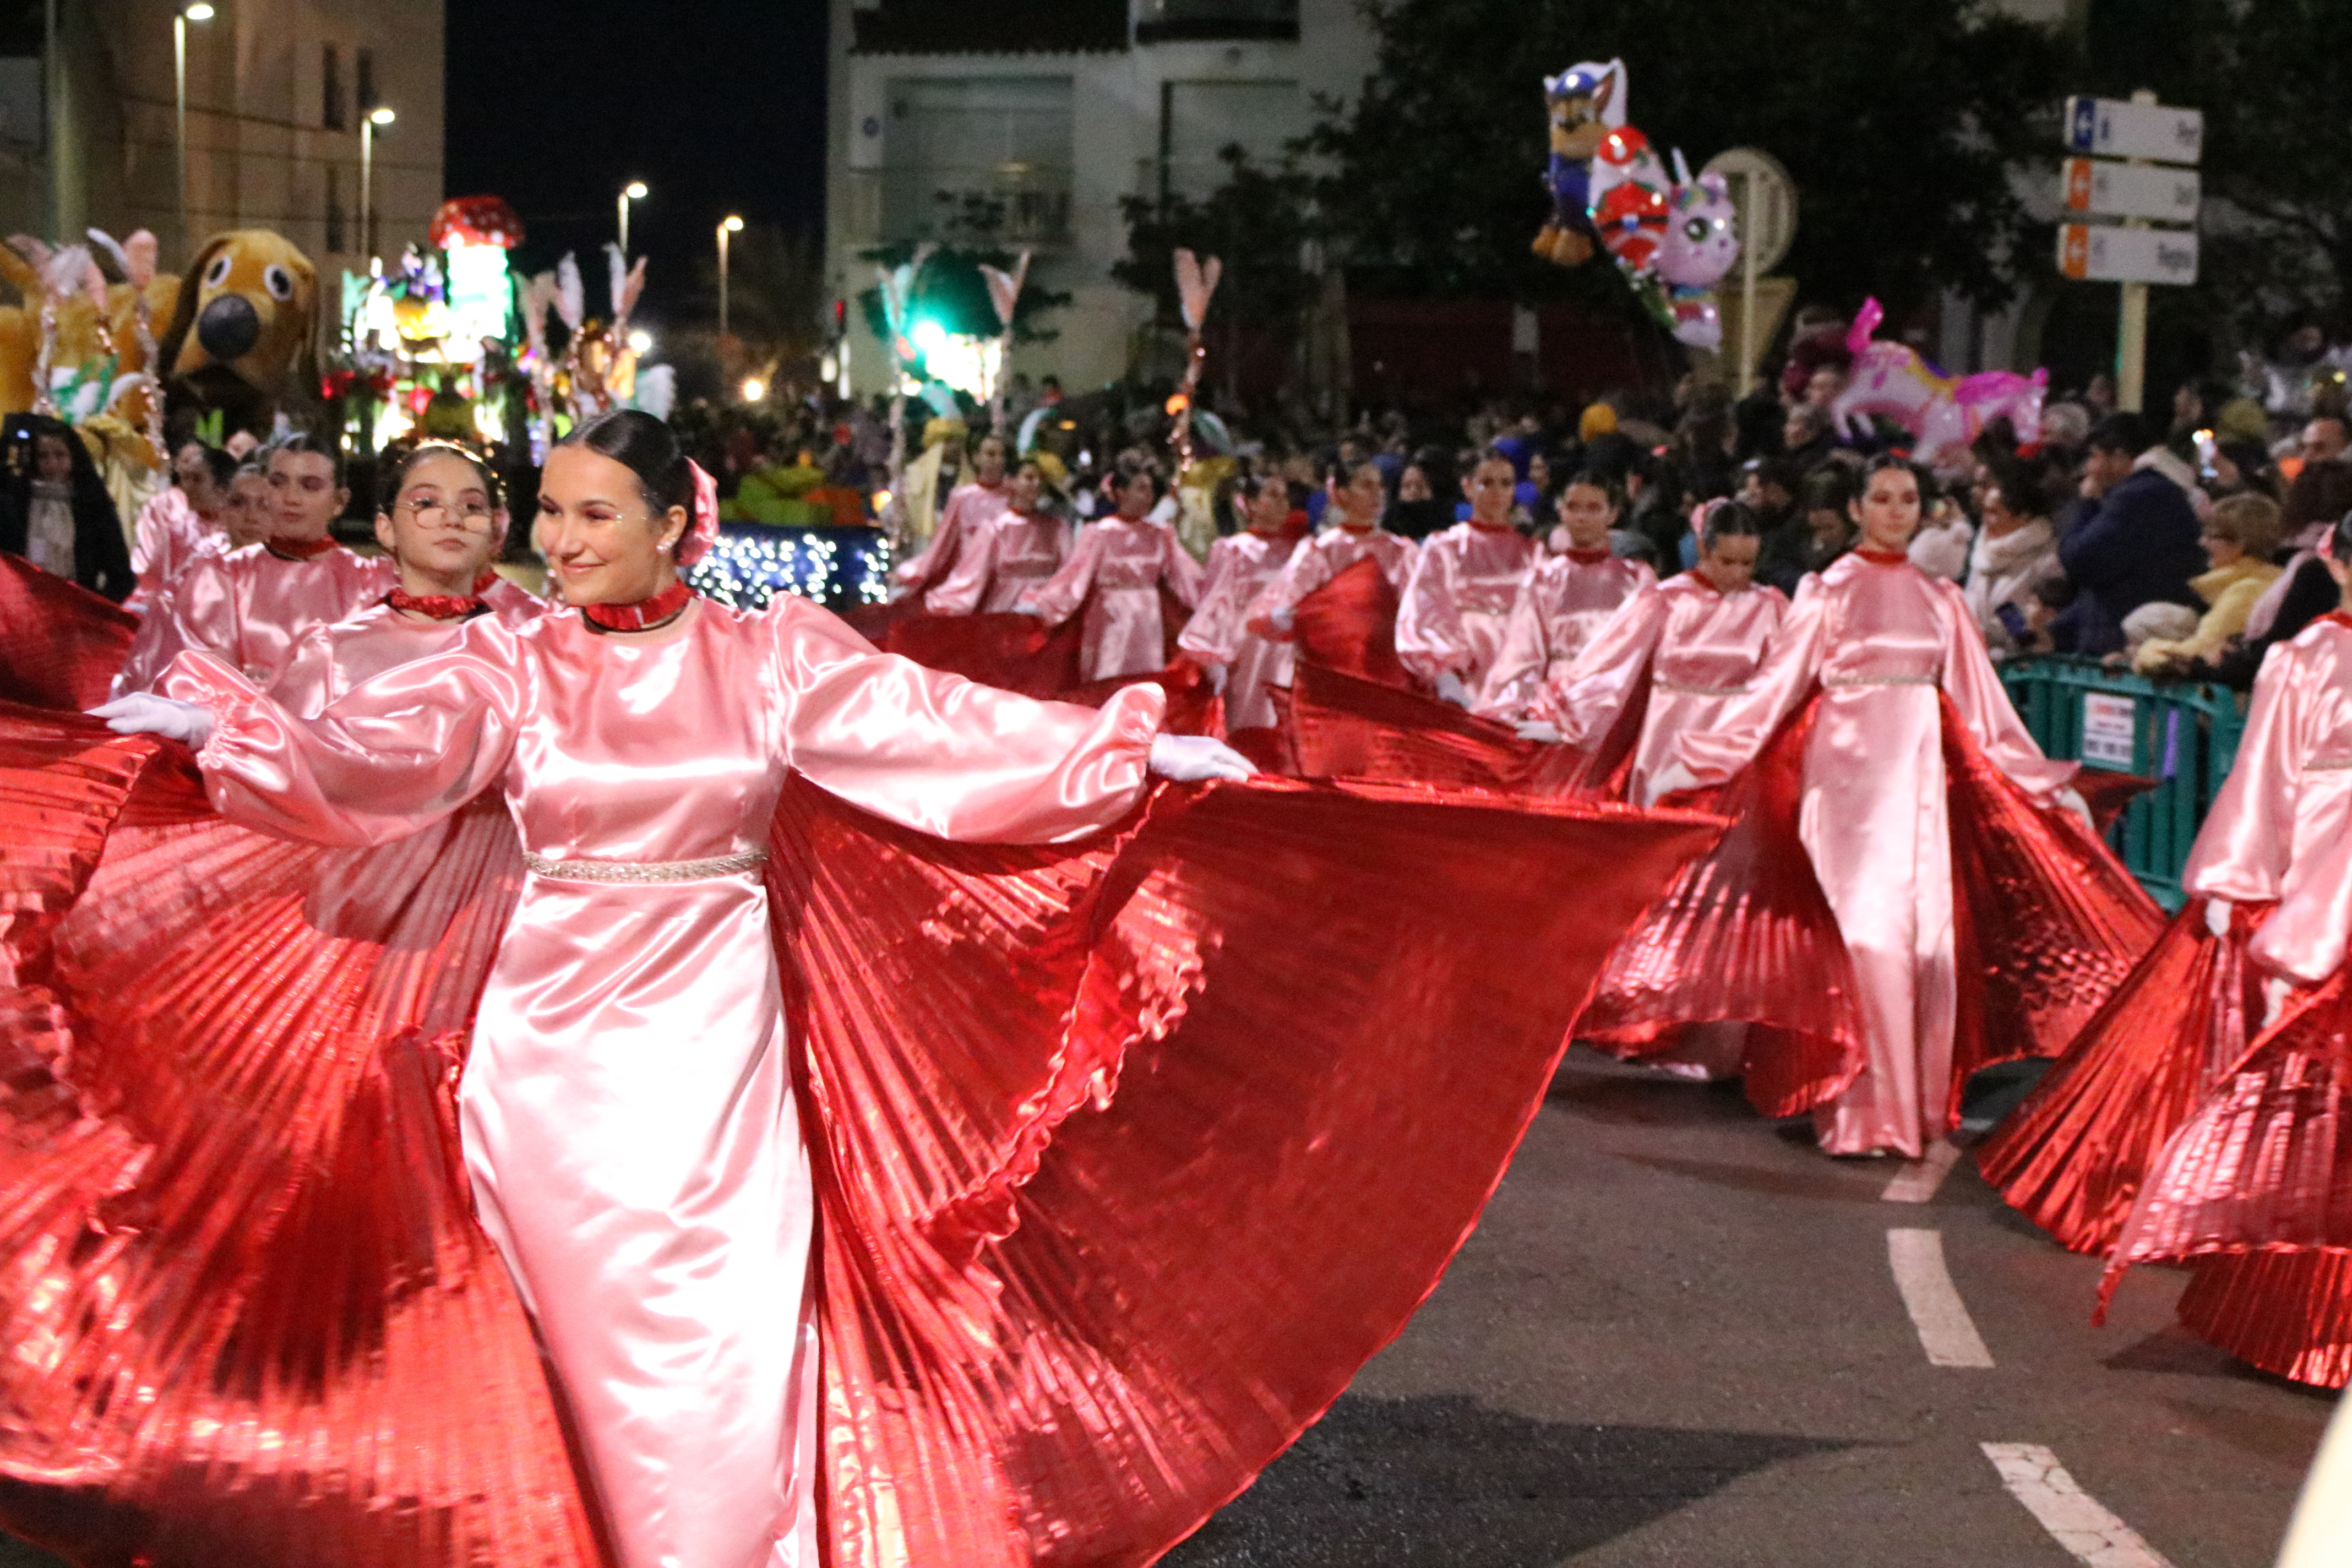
(467,516)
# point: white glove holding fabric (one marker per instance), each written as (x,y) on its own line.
(2217,917)
(1538,729)
(144,713)
(1216,674)
(1281,618)
(2071,799)
(1189,759)
(2277,992)
(1450,690)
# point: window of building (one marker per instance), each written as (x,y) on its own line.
(334,208)
(1200,119)
(978,158)
(330,87)
(363,79)
(1172,21)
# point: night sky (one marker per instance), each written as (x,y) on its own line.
(718,105)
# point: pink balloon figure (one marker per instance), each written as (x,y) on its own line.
(1943,413)
(1701,243)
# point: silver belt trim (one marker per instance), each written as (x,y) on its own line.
(643,870)
(1660,684)
(1883,680)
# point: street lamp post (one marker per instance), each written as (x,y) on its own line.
(199,12)
(634,191)
(733,225)
(375,117)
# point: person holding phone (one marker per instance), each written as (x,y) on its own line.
(2014,554)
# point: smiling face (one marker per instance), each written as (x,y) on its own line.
(603,542)
(443,526)
(304,499)
(1889,511)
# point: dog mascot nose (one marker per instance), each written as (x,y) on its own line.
(229,327)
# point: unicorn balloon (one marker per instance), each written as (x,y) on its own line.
(1944,412)
(1700,245)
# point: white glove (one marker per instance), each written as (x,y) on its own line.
(1283,618)
(1189,758)
(2071,799)
(1672,779)
(144,713)
(1450,690)
(1216,674)
(2277,992)
(2217,916)
(1538,729)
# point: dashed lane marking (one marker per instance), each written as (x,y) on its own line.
(2073,1518)
(1945,1332)
(1917,1180)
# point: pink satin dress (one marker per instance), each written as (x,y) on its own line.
(168,535)
(2280,825)
(249,607)
(626,1109)
(329,660)
(1562,603)
(1001,560)
(1699,647)
(1240,568)
(1325,556)
(1883,643)
(968,506)
(1115,574)
(1451,616)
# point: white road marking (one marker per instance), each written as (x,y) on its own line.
(1919,1180)
(1945,1332)
(2072,1517)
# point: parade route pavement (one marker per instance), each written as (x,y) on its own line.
(1683,1338)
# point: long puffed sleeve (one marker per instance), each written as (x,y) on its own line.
(2242,850)
(1745,724)
(1430,638)
(1178,570)
(948,756)
(1523,658)
(1216,629)
(390,757)
(965,587)
(1058,598)
(1977,694)
(2306,935)
(1583,702)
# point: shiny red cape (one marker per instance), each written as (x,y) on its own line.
(2072,1157)
(1018,653)
(1349,625)
(1078,1284)
(63,643)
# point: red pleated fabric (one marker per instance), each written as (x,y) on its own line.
(2072,1157)
(59,643)
(1744,934)
(1345,726)
(2048,922)
(1188,1285)
(2289,1313)
(1093,1162)
(1194,707)
(1349,625)
(2107,794)
(1018,653)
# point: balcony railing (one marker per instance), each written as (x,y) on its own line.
(1011,204)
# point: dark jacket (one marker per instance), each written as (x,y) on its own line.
(102,556)
(2140,546)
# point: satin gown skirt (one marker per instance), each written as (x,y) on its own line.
(629,1126)
(1874,819)
(1126,633)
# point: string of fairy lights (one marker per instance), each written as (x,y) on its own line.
(750,563)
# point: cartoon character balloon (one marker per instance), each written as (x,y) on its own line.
(1584,102)
(1944,412)
(1701,243)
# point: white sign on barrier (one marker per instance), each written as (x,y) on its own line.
(2115,128)
(2107,730)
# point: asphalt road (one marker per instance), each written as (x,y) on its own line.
(1677,1340)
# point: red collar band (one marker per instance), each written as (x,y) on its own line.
(436,607)
(1884,557)
(1586,557)
(639,616)
(298,548)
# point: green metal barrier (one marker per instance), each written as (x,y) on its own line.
(2183,735)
